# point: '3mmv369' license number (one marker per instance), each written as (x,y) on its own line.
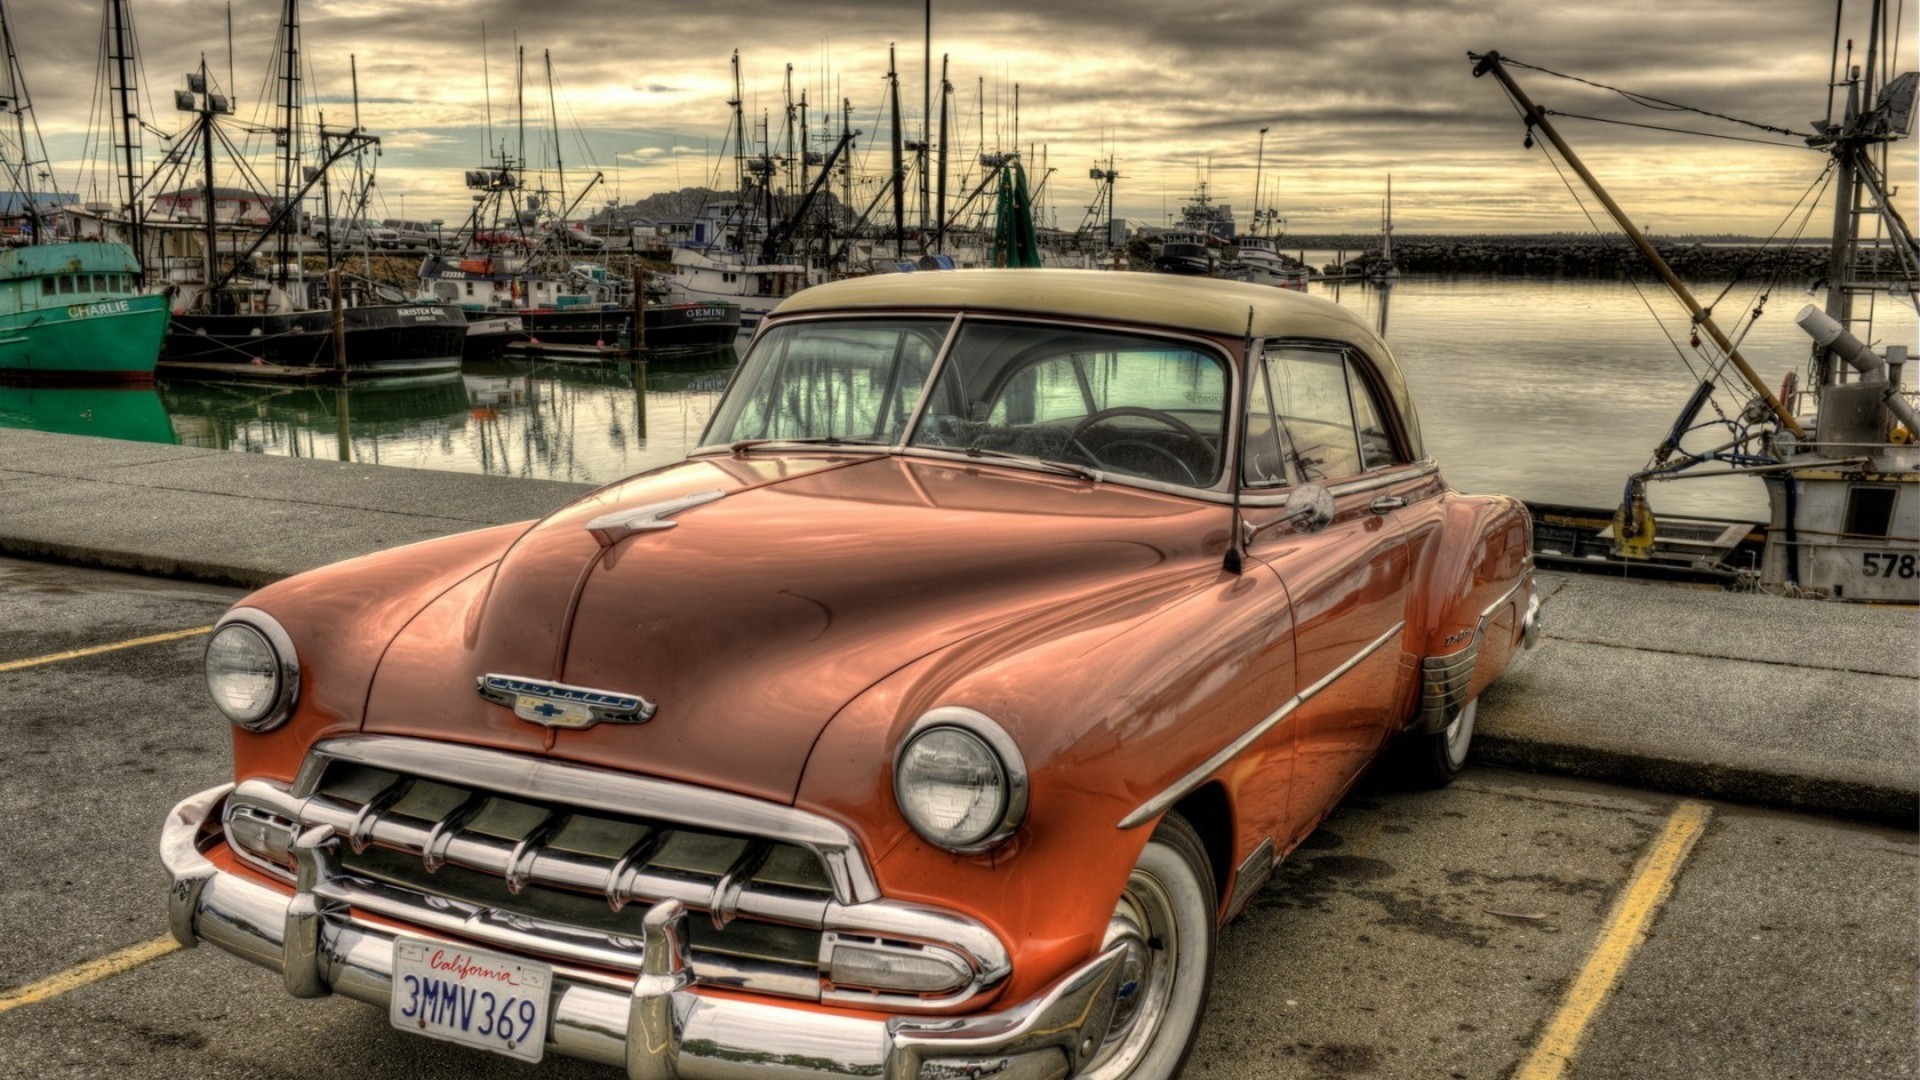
(473,998)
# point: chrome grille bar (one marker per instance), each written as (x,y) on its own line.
(587,788)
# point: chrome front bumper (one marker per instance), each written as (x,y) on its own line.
(657,1026)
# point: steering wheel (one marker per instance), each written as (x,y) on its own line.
(1180,427)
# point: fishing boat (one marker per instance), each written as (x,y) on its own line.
(76,311)
(68,309)
(750,251)
(573,303)
(1257,258)
(1836,449)
(233,316)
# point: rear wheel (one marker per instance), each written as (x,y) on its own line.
(1169,902)
(1433,760)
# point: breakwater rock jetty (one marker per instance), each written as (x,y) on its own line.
(1587,255)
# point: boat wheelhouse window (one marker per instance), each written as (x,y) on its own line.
(1870,511)
(856,380)
(1123,403)
(66,283)
(48,286)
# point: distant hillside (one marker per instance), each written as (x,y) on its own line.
(687,203)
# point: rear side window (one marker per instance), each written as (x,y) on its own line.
(1329,419)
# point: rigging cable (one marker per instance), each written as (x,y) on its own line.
(1648,101)
(1631,280)
(1677,131)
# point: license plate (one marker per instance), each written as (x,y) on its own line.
(471,997)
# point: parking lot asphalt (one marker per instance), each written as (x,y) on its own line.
(1464,933)
(1788,704)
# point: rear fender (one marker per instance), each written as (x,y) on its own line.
(1481,585)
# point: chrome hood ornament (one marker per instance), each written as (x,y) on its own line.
(610,529)
(557,705)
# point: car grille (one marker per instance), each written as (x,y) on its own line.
(548,876)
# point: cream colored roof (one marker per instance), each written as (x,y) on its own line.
(1208,305)
(1204,305)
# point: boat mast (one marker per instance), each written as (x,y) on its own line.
(120,58)
(1386,227)
(206,186)
(288,135)
(1536,117)
(20,102)
(559,166)
(899,163)
(940,202)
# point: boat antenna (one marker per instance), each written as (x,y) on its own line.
(1259,159)
(1833,62)
(233,81)
(486,87)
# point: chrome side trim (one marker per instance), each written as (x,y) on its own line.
(603,789)
(1445,679)
(1276,495)
(1158,805)
(1252,873)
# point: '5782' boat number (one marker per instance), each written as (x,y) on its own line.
(1888,564)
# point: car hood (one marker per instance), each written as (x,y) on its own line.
(758,615)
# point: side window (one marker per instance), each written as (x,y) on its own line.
(1310,396)
(1262,459)
(1376,442)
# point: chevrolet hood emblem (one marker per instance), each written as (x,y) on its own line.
(558,705)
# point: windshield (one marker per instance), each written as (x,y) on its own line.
(851,381)
(1128,405)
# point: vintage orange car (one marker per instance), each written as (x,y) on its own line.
(927,721)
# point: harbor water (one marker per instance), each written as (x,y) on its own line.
(1550,389)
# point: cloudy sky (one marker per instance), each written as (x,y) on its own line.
(1350,90)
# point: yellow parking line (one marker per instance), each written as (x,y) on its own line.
(1624,932)
(75,654)
(91,972)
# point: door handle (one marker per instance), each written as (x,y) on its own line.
(1387,504)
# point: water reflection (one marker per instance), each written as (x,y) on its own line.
(115,412)
(1550,389)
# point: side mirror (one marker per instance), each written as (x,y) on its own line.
(1309,508)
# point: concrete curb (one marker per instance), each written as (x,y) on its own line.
(134,562)
(1830,796)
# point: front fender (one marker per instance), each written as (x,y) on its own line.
(341,619)
(1110,704)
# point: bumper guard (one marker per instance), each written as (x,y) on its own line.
(658,1027)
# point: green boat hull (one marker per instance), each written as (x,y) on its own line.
(70,311)
(108,338)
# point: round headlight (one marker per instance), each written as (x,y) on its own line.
(251,673)
(959,781)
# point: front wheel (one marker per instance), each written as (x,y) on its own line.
(1169,902)
(1433,760)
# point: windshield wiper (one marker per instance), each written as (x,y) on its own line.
(1066,468)
(744,445)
